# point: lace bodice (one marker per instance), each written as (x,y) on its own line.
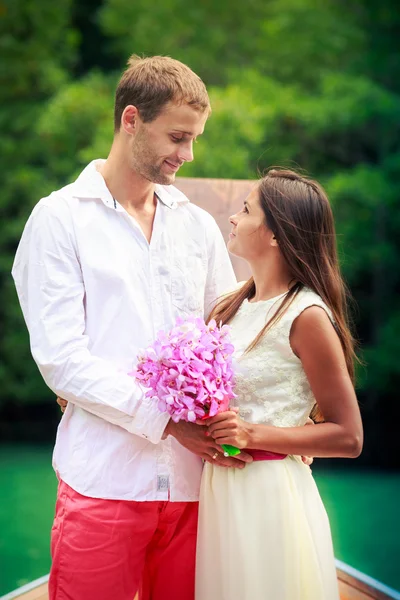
(271,384)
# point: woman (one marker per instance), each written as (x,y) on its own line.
(263,531)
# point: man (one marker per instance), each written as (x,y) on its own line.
(103,265)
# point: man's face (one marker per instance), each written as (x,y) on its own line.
(160,148)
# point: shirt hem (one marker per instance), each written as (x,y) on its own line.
(150,498)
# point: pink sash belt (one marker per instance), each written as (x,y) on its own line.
(265,455)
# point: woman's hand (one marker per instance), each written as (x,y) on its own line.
(228,428)
(197,440)
(62,404)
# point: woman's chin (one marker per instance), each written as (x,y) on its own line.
(232,249)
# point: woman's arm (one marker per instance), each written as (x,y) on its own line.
(315,341)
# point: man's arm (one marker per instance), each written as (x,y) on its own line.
(50,288)
(220,275)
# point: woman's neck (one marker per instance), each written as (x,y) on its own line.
(271,278)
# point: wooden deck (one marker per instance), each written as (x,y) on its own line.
(351,588)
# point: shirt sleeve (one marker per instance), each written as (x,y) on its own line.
(220,275)
(50,287)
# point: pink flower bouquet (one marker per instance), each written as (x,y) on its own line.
(189,371)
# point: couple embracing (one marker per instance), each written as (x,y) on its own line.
(145,504)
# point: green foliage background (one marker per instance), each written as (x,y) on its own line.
(308,83)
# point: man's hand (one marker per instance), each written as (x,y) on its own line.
(62,403)
(194,438)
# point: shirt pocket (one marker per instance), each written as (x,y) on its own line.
(188,279)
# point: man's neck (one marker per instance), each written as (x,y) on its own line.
(130,189)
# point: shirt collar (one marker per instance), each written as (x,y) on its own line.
(91,184)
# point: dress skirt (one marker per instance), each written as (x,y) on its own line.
(263,534)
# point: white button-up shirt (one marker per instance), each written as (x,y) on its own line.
(94,292)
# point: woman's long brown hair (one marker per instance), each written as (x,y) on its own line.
(298,213)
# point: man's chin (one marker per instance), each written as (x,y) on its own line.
(160,178)
(164,179)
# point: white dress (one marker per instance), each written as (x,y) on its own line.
(263,531)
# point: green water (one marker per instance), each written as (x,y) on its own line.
(362,506)
(28,487)
(363,509)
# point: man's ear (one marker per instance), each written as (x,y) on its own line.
(129,119)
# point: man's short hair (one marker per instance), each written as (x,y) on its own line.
(150,83)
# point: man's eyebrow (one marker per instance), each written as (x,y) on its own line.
(188,133)
(183,132)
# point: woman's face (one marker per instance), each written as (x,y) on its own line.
(250,237)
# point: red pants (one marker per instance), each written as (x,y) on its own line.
(109,549)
